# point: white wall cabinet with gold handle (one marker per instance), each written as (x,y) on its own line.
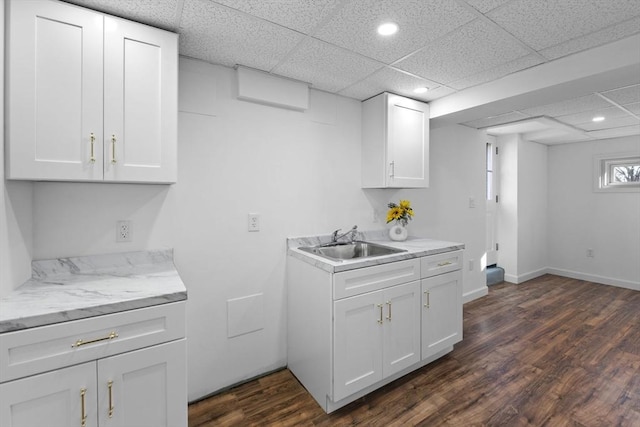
(90,97)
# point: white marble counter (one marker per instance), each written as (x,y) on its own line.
(415,247)
(75,288)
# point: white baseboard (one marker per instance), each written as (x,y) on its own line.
(526,276)
(475,294)
(627,284)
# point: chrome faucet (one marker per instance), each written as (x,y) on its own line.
(353,232)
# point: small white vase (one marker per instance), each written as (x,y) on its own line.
(398,233)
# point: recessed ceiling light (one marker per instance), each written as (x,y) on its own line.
(388,28)
(598,119)
(423,89)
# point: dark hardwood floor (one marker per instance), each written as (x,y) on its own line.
(549,352)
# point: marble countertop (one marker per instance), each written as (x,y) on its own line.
(76,288)
(415,247)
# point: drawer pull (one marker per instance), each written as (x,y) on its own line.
(426,304)
(110,385)
(83,412)
(442,264)
(389,317)
(380,319)
(82,342)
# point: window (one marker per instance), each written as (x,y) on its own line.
(617,173)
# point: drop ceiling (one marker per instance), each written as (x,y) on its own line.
(453,47)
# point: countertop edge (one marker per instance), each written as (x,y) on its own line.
(48,319)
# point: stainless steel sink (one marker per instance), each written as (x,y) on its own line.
(355,250)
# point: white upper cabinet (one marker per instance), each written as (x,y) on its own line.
(90,97)
(395,142)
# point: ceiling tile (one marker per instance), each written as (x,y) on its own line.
(599,38)
(496,120)
(624,96)
(559,139)
(634,108)
(299,15)
(159,13)
(419,21)
(486,5)
(541,24)
(436,93)
(391,80)
(328,67)
(615,132)
(472,49)
(217,34)
(497,72)
(585,117)
(610,123)
(570,106)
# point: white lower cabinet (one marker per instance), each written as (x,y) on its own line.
(52,399)
(442,312)
(98,376)
(354,331)
(375,335)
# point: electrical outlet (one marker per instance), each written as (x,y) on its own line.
(254,222)
(123,231)
(590,253)
(375,216)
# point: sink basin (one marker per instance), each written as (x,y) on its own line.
(355,250)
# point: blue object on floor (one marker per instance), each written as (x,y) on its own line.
(494,275)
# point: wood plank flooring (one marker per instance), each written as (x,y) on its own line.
(549,352)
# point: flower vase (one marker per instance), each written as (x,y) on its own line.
(398,233)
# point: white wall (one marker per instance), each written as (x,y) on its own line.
(532,210)
(299,170)
(15,211)
(580,218)
(522,208)
(507,209)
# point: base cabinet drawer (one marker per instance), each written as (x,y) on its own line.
(440,263)
(146,387)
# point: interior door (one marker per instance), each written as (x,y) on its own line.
(491,240)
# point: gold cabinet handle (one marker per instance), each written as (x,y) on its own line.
(113,149)
(81,342)
(110,385)
(83,412)
(389,316)
(92,157)
(380,319)
(426,304)
(442,264)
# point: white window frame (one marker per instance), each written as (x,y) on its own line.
(602,172)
